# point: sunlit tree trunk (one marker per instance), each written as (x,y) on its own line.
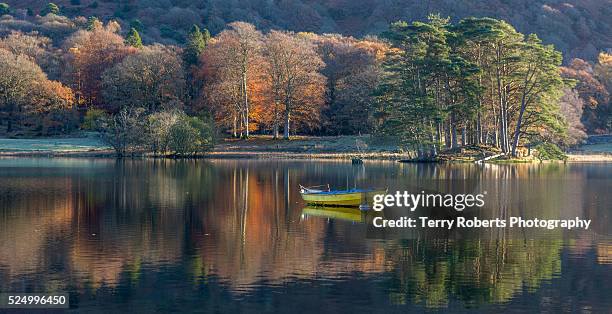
(287,119)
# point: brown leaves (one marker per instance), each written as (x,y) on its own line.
(90,54)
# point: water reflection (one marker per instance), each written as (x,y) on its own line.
(234,234)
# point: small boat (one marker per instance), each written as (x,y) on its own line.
(327,197)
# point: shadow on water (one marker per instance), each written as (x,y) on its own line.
(234,235)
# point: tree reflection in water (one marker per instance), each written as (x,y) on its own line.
(226,232)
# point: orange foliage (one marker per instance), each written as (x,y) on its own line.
(92,53)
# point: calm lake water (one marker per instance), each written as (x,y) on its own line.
(234,236)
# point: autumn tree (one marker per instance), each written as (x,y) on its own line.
(18,75)
(593,92)
(603,70)
(37,47)
(90,54)
(293,69)
(50,110)
(25,90)
(571,106)
(352,69)
(153,79)
(221,94)
(243,47)
(231,61)
(274,52)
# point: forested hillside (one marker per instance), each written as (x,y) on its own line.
(180,73)
(577,28)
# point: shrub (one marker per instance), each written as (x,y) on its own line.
(91,118)
(205,129)
(184,138)
(173,131)
(550,151)
(158,130)
(190,135)
(123,131)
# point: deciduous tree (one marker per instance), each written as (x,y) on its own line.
(230,63)
(153,79)
(25,90)
(293,70)
(90,53)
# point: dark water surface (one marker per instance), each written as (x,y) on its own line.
(234,236)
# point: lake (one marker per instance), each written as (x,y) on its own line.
(234,236)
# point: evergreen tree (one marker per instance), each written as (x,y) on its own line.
(539,89)
(4,8)
(51,8)
(428,87)
(133,39)
(480,78)
(196,42)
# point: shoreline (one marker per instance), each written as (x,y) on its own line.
(299,147)
(573,157)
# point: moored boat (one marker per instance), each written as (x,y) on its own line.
(351,197)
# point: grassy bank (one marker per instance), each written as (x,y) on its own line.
(302,147)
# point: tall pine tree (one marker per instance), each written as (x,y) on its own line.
(196,43)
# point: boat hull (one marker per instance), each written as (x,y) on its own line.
(341,199)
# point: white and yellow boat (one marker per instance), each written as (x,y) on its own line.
(328,197)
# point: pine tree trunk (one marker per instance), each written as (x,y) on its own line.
(433,146)
(519,121)
(479,129)
(447,135)
(439,133)
(454,143)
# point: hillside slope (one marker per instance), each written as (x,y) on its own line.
(579,28)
